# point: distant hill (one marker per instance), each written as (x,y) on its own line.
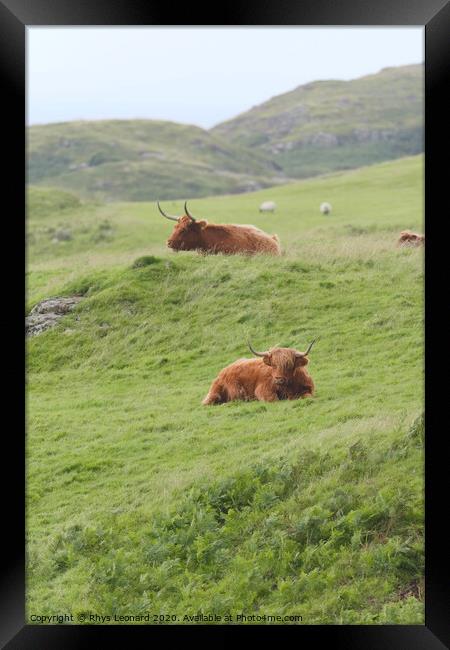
(142,160)
(330,125)
(317,128)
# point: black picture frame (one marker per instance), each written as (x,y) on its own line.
(15,16)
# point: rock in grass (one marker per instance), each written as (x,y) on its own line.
(63,235)
(48,312)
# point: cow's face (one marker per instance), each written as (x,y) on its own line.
(186,235)
(283,363)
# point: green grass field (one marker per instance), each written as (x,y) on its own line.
(141,500)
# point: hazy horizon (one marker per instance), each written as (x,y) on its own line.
(85,74)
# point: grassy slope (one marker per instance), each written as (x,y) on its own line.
(140,499)
(141,160)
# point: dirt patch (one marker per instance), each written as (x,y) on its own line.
(414,589)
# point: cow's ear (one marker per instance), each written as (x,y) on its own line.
(301,360)
(202,223)
(267,359)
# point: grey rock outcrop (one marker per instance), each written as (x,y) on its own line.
(63,235)
(48,312)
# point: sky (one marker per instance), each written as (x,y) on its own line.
(200,76)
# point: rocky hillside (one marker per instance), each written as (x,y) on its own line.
(328,125)
(317,128)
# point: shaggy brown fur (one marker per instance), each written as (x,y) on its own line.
(409,238)
(230,239)
(280,374)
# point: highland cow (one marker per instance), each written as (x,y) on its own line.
(279,374)
(191,234)
(409,238)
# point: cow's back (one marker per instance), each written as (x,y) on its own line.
(409,238)
(242,376)
(253,239)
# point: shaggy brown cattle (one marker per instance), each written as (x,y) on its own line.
(279,374)
(408,238)
(190,234)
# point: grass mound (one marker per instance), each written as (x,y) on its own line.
(282,538)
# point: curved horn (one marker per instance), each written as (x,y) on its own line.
(164,214)
(258,354)
(309,347)
(187,212)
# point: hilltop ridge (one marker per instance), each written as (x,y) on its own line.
(333,124)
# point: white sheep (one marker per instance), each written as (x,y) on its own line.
(267,206)
(325,208)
